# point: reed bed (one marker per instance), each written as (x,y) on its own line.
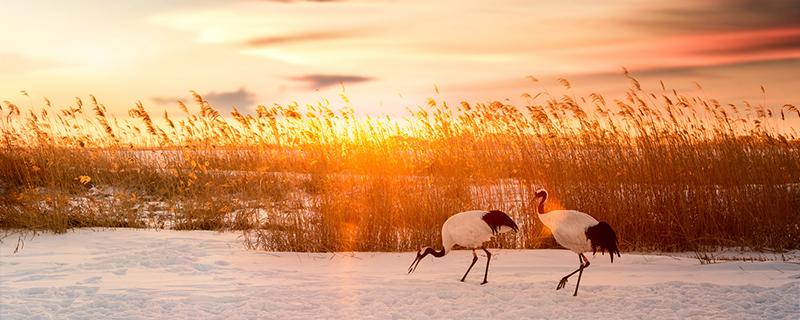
(669,171)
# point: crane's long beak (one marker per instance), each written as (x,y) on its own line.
(415,263)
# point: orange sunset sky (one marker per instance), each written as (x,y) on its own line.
(389,55)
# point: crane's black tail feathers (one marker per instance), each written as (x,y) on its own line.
(496,219)
(603,237)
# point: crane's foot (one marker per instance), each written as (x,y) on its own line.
(562,283)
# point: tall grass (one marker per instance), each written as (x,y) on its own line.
(669,171)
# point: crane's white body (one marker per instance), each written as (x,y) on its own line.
(467,229)
(576,231)
(569,228)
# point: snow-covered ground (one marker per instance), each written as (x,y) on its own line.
(133,274)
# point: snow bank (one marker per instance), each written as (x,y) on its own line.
(133,274)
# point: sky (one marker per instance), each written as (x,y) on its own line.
(388,56)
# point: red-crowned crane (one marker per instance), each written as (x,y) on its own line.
(577,231)
(469,229)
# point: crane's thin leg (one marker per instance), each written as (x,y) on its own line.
(474,259)
(488,258)
(580,273)
(582,266)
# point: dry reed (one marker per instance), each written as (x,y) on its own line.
(669,171)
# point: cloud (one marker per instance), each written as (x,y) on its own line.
(13,62)
(732,15)
(166,100)
(321,81)
(240,98)
(696,72)
(299,38)
(759,46)
(223,101)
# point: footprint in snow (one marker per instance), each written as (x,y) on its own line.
(201,267)
(222,263)
(91,280)
(120,272)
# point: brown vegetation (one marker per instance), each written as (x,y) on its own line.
(668,171)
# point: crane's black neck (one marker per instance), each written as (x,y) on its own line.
(541,204)
(434,253)
(424,252)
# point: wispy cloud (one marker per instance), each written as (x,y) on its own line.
(760,45)
(694,50)
(241,98)
(695,72)
(730,15)
(321,81)
(299,38)
(166,100)
(224,101)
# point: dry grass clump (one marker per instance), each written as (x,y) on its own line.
(669,171)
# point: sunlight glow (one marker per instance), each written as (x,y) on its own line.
(472,51)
